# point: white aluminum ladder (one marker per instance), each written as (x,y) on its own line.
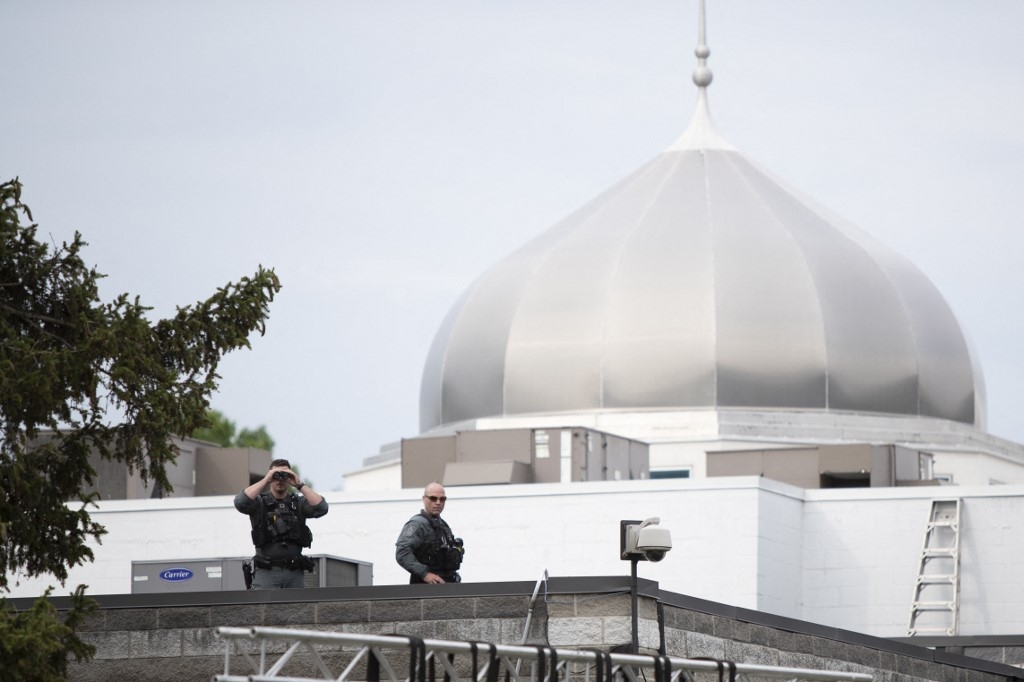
(936,607)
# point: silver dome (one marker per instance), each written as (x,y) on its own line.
(700,281)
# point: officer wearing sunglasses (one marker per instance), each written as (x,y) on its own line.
(426,547)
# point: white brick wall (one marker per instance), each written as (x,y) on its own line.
(780,543)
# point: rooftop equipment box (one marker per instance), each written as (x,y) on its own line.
(221,575)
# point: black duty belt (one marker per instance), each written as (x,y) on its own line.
(265,563)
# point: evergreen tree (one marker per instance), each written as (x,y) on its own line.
(78,376)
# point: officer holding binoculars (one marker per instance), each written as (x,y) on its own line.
(279,532)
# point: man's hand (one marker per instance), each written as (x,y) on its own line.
(433,579)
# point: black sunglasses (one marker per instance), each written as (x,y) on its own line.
(435,498)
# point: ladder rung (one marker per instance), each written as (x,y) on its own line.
(931,631)
(933,606)
(931,579)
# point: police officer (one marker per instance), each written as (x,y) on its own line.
(279,532)
(426,547)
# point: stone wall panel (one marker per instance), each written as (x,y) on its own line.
(179,643)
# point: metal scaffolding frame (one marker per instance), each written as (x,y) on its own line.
(267,651)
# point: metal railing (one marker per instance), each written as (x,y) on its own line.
(292,655)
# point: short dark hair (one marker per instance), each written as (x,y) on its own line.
(280,463)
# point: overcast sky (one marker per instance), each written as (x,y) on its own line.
(380,155)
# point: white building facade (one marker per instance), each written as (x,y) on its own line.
(846,558)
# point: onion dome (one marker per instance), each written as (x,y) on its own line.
(701,281)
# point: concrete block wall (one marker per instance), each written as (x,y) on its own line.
(174,643)
(860,560)
(160,637)
(780,555)
(862,549)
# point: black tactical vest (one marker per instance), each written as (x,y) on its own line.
(442,552)
(280,521)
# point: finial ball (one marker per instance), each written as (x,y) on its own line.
(702,52)
(702,76)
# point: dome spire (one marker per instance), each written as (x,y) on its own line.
(702,75)
(701,133)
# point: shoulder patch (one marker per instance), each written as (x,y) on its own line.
(409,532)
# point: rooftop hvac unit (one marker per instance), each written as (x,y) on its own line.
(222,575)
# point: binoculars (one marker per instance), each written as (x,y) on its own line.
(281,476)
